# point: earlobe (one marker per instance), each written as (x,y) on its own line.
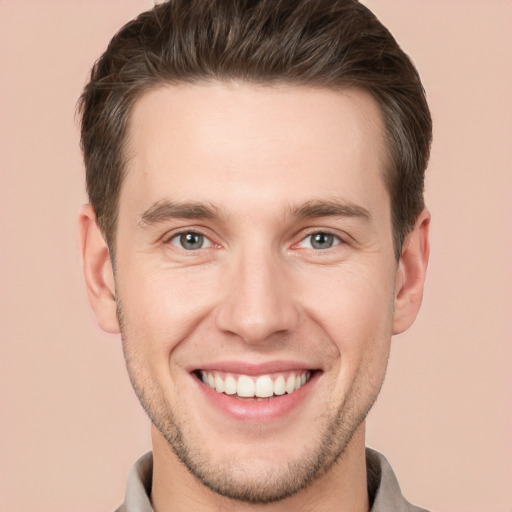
(410,277)
(98,272)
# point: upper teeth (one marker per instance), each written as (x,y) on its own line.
(263,386)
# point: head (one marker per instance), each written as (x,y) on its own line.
(329,44)
(256,168)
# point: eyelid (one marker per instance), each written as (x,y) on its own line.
(177,238)
(168,237)
(340,238)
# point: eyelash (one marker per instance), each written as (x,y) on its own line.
(336,240)
(178,236)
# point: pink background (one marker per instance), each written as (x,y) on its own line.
(70,424)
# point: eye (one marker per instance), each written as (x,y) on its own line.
(320,241)
(190,241)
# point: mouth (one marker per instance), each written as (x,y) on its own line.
(255,387)
(269,392)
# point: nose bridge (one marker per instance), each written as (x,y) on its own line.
(258,302)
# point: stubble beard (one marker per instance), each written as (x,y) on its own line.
(234,480)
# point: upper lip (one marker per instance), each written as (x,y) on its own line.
(253,369)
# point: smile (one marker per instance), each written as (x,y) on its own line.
(262,386)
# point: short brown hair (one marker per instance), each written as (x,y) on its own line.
(321,43)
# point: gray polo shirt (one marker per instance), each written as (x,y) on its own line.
(383,488)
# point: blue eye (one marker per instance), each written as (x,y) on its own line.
(190,241)
(320,241)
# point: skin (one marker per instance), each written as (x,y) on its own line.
(257,291)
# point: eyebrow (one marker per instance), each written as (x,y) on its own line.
(165,210)
(330,208)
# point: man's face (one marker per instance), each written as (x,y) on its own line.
(254,252)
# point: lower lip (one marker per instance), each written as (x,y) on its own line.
(254,410)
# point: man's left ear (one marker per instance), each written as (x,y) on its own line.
(410,276)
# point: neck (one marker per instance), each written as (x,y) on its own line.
(342,488)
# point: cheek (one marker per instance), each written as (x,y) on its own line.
(161,307)
(355,308)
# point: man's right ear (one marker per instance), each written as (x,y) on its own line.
(98,271)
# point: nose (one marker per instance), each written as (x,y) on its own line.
(258,300)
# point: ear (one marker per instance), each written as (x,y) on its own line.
(410,276)
(98,271)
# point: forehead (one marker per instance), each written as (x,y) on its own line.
(244,143)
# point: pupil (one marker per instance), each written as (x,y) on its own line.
(191,241)
(322,241)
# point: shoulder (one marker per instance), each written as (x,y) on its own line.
(138,486)
(383,488)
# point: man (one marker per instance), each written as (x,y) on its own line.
(257,233)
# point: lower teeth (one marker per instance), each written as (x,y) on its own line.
(253,398)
